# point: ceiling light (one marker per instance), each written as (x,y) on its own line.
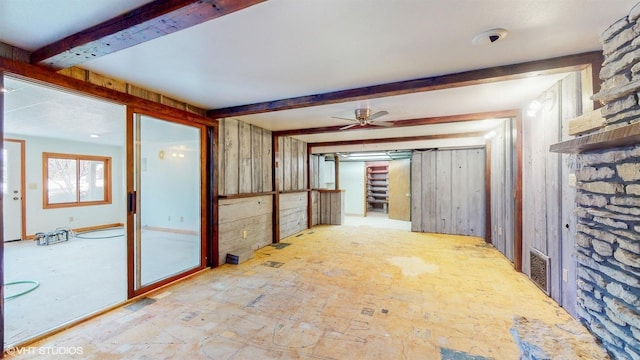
(94,135)
(5,90)
(490,134)
(367,154)
(489,37)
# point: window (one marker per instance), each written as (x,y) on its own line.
(76,180)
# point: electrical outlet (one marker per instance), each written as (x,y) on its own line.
(70,218)
(565,275)
(244,234)
(181,218)
(168,218)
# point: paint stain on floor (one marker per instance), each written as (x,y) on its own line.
(412,266)
(448,354)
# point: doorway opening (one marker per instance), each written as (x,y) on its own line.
(377,188)
(65,176)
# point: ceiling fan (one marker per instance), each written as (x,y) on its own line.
(365,117)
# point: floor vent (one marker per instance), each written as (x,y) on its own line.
(540,272)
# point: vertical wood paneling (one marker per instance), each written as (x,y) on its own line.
(231,156)
(448,191)
(315,208)
(416,193)
(305,166)
(429,192)
(221,156)
(548,202)
(571,108)
(281,158)
(286,177)
(267,182)
(245,171)
(510,189)
(443,188)
(475,193)
(256,159)
(302,150)
(459,200)
(293,156)
(553,126)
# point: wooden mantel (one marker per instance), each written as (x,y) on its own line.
(622,136)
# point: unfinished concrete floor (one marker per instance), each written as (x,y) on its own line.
(341,292)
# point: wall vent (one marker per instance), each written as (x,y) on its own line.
(540,272)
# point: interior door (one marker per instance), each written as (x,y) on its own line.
(400,189)
(12,189)
(165,227)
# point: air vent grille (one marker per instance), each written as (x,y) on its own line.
(540,271)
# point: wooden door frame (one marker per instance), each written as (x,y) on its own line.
(23,200)
(204,200)
(517,228)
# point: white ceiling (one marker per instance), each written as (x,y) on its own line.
(287,48)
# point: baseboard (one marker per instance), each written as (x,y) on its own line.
(84,229)
(170,230)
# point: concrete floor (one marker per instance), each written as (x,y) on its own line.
(341,292)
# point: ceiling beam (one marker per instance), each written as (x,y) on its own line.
(400,139)
(467,78)
(150,21)
(403,123)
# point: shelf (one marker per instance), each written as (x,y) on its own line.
(377,186)
(622,136)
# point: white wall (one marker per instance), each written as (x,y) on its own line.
(170,195)
(328,173)
(44,220)
(352,181)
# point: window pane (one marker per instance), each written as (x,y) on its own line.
(61,180)
(91,180)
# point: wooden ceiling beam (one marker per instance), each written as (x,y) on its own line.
(467,78)
(150,21)
(399,139)
(403,123)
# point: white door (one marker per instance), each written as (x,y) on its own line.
(11,190)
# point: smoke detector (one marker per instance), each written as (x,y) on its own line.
(489,37)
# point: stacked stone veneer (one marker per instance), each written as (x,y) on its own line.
(608,204)
(608,248)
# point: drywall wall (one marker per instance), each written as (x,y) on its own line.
(352,182)
(44,220)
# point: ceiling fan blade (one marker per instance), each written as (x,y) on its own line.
(341,118)
(377,115)
(348,126)
(381,123)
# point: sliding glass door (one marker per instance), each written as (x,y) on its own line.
(164,201)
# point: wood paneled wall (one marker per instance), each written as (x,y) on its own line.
(244,162)
(253,215)
(315,207)
(293,213)
(548,201)
(292,159)
(448,194)
(502,151)
(331,209)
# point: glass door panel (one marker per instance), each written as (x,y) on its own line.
(167,197)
